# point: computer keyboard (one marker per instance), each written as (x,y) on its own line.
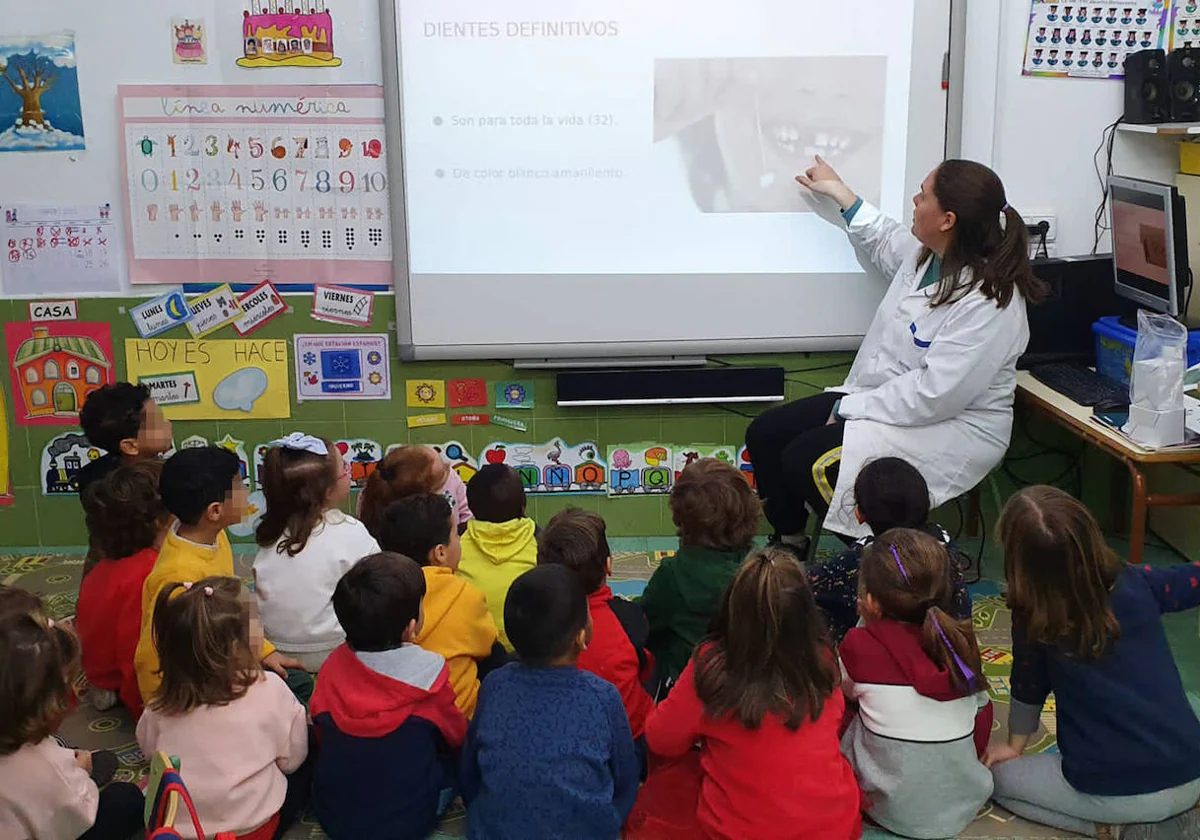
(1082,385)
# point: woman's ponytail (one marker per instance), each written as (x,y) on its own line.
(952,645)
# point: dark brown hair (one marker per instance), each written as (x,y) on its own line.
(576,539)
(296,485)
(124,512)
(377,599)
(416,525)
(908,574)
(983,254)
(713,506)
(768,651)
(1060,572)
(202,633)
(403,472)
(40,660)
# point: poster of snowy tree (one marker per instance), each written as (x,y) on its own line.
(39,94)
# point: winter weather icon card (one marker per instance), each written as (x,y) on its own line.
(39,100)
(425,393)
(512,395)
(342,367)
(553,467)
(744,464)
(362,457)
(640,469)
(287,33)
(62,459)
(685,455)
(467,393)
(54,366)
(189,45)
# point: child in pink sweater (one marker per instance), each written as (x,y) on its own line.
(238,732)
(46,790)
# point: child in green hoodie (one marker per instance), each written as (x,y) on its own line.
(500,543)
(716,515)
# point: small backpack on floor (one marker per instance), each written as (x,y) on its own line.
(166,793)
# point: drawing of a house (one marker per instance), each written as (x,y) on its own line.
(58,372)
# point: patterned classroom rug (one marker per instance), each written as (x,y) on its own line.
(56,579)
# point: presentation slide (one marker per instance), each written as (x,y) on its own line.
(625,137)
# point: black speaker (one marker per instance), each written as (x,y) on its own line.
(641,386)
(1183,69)
(1147,93)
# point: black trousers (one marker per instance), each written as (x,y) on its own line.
(796,453)
(119,815)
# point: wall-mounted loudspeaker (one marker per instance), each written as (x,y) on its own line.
(1147,90)
(665,386)
(1183,70)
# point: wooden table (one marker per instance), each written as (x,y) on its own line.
(1076,419)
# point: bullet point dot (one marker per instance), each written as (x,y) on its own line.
(441,173)
(437,120)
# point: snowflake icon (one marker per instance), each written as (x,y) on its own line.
(375,379)
(310,358)
(514,394)
(374,357)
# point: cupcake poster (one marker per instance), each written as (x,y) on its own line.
(1091,40)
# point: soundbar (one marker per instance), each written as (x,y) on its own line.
(671,386)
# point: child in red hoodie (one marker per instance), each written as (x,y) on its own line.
(388,728)
(576,539)
(127,520)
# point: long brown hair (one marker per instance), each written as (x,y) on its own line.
(202,632)
(768,651)
(405,471)
(296,484)
(41,660)
(983,253)
(908,574)
(1060,572)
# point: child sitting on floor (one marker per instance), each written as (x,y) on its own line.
(46,790)
(576,539)
(549,752)
(716,515)
(127,521)
(923,717)
(306,543)
(1089,628)
(500,543)
(888,493)
(761,699)
(238,732)
(407,471)
(457,623)
(203,489)
(384,708)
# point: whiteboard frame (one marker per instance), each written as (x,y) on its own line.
(932,48)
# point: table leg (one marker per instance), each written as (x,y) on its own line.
(1137,516)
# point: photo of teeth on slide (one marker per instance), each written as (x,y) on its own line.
(743,127)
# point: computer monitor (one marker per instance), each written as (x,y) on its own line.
(1149,234)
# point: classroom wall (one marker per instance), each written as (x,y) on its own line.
(35,520)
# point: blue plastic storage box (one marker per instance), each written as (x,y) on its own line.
(1114,348)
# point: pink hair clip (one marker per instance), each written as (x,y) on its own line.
(208,591)
(187,584)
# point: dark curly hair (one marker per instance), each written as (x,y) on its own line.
(713,507)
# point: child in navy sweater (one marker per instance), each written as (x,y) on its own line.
(1087,627)
(549,753)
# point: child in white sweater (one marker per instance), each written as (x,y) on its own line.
(306,543)
(46,790)
(240,735)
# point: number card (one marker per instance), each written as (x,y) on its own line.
(238,184)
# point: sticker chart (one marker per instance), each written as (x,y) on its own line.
(1091,41)
(247,183)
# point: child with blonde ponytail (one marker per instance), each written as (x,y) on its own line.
(914,672)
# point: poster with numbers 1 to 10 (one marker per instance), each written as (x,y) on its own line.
(239,184)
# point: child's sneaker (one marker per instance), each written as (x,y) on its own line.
(1186,826)
(102,699)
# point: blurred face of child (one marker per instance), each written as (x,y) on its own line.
(154,438)
(237,504)
(341,490)
(256,636)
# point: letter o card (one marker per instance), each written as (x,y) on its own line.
(342,306)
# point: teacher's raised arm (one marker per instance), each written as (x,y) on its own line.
(934,379)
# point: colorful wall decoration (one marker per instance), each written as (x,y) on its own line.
(553,467)
(54,366)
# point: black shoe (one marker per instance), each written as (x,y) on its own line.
(104,767)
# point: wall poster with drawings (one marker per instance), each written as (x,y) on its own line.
(246,183)
(1090,40)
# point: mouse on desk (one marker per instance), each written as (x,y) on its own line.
(1111,407)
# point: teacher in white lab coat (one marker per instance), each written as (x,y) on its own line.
(933,381)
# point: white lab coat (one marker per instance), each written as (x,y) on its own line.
(932,386)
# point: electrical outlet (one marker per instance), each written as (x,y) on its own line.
(1052,220)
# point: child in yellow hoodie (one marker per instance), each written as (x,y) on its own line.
(203,489)
(500,543)
(457,623)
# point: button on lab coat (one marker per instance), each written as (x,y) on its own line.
(932,386)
